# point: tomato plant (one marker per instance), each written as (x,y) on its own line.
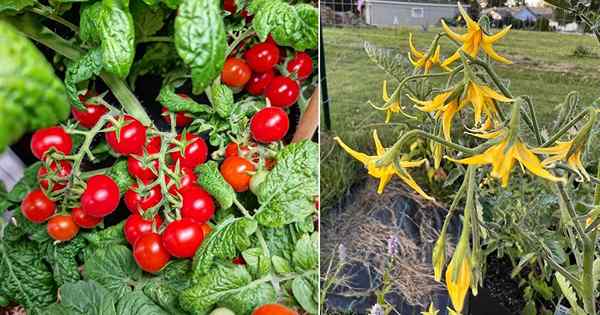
(259,81)
(62,227)
(301,65)
(37,207)
(182,238)
(236,72)
(136,226)
(84,220)
(50,138)
(236,172)
(59,173)
(262,57)
(282,92)
(269,124)
(149,253)
(139,199)
(191,150)
(101,196)
(89,116)
(131,135)
(274,309)
(197,204)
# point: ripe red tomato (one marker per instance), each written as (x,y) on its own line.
(301,64)
(194,153)
(132,136)
(182,238)
(187,179)
(181,120)
(274,309)
(235,72)
(229,6)
(232,149)
(197,204)
(259,82)
(149,253)
(282,92)
(262,57)
(59,175)
(235,171)
(52,137)
(62,228)
(145,171)
(36,207)
(83,220)
(269,124)
(101,196)
(139,203)
(136,226)
(90,115)
(239,261)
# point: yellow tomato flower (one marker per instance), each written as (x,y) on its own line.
(480,96)
(393,108)
(559,152)
(385,173)
(474,39)
(431,311)
(458,289)
(503,155)
(424,60)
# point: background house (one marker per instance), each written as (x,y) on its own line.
(402,12)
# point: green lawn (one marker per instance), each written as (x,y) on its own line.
(544,68)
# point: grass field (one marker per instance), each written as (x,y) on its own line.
(544,68)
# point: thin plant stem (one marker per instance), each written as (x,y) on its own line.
(564,129)
(45,12)
(152,39)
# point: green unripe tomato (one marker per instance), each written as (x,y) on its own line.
(222,311)
(257,179)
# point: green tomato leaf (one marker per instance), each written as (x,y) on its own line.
(24,277)
(87,297)
(287,194)
(137,303)
(114,268)
(164,289)
(281,265)
(117,34)
(213,182)
(15,5)
(62,259)
(89,27)
(230,286)
(119,173)
(108,237)
(200,40)
(159,58)
(306,254)
(223,242)
(26,184)
(23,230)
(176,103)
(257,262)
(295,26)
(31,95)
(222,100)
(305,292)
(88,66)
(148,20)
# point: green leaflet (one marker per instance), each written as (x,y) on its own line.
(213,182)
(24,278)
(257,262)
(31,95)
(89,23)
(147,20)
(287,194)
(117,34)
(200,40)
(306,254)
(26,184)
(295,26)
(159,58)
(137,303)
(305,290)
(85,297)
(88,66)
(306,258)
(164,289)
(118,172)
(175,103)
(16,5)
(20,227)
(107,237)
(62,259)
(114,268)
(230,286)
(222,100)
(223,242)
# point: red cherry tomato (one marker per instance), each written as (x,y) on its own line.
(197,204)
(132,137)
(136,226)
(187,179)
(282,92)
(235,72)
(181,120)
(83,220)
(137,203)
(229,6)
(144,171)
(232,149)
(59,175)
(101,196)
(182,238)
(53,137)
(193,154)
(36,207)
(302,65)
(235,171)
(269,124)
(262,57)
(62,228)
(238,261)
(259,82)
(149,253)
(273,309)
(206,229)
(90,115)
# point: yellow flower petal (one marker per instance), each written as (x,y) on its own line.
(492,53)
(457,37)
(409,164)
(532,163)
(378,146)
(447,116)
(413,50)
(355,154)
(495,95)
(411,182)
(458,289)
(470,23)
(494,38)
